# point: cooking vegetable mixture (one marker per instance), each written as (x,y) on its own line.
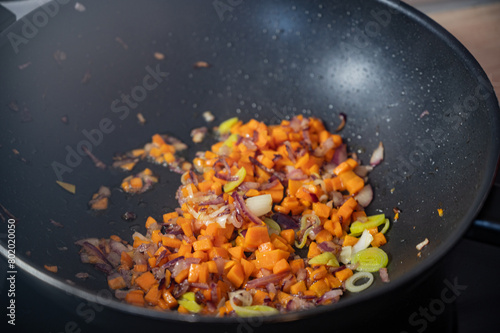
(270,220)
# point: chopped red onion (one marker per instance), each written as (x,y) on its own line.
(340,154)
(289,150)
(364,196)
(296,174)
(332,295)
(324,147)
(362,170)
(242,209)
(269,185)
(285,221)
(384,276)
(264,281)
(343,119)
(180,289)
(329,246)
(301,274)
(255,162)
(378,155)
(200,285)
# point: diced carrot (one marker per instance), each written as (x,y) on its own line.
(344,274)
(324,236)
(203,245)
(194,272)
(117,283)
(236,275)
(313,250)
(218,252)
(126,260)
(146,281)
(168,216)
(319,287)
(256,236)
(153,295)
(268,259)
(296,265)
(259,297)
(135,297)
(236,252)
(349,240)
(248,267)
(281,266)
(170,241)
(288,235)
(319,273)
(298,287)
(321,210)
(182,275)
(378,240)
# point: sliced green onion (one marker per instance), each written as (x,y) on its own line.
(260,204)
(188,301)
(325,258)
(350,283)
(370,260)
(386,226)
(241,174)
(225,126)
(374,221)
(272,225)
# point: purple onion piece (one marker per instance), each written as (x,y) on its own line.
(242,209)
(264,281)
(91,249)
(285,221)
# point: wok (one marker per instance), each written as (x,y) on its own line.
(71,76)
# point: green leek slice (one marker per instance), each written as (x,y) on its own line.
(374,221)
(230,186)
(254,310)
(225,126)
(370,260)
(325,258)
(188,301)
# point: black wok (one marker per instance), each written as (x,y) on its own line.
(72,76)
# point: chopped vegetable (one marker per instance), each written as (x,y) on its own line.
(370,260)
(351,282)
(440,212)
(421,245)
(246,206)
(68,187)
(52,269)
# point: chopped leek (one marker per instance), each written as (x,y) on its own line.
(272,225)
(350,283)
(241,174)
(253,310)
(188,301)
(345,254)
(231,140)
(325,258)
(370,260)
(386,226)
(307,231)
(363,242)
(225,126)
(374,221)
(260,204)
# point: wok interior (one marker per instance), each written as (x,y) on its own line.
(269,60)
